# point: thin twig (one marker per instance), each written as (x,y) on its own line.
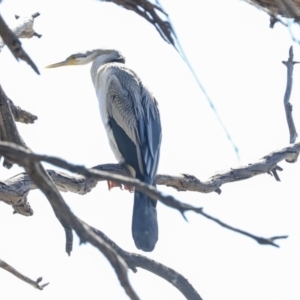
(258,239)
(24,278)
(287,105)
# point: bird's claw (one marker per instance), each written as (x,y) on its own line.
(112,184)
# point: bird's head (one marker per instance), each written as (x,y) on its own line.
(89,56)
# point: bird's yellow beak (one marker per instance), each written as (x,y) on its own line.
(61,64)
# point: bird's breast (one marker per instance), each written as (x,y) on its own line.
(101,91)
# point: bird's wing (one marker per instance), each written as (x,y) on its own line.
(135,122)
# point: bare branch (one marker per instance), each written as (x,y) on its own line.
(24,29)
(67,229)
(83,185)
(288,9)
(285,8)
(15,189)
(13,271)
(40,177)
(23,209)
(146,9)
(185,182)
(288,107)
(21,115)
(8,128)
(139,261)
(21,155)
(260,240)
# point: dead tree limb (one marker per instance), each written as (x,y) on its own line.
(83,184)
(260,240)
(139,261)
(287,105)
(8,128)
(147,10)
(10,269)
(266,165)
(10,37)
(43,181)
(22,29)
(45,184)
(21,115)
(278,10)
(285,8)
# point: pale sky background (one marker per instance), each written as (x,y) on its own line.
(238,59)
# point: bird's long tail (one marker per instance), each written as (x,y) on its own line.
(144,222)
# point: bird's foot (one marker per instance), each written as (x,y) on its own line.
(112,184)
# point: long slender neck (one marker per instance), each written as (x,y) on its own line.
(104,58)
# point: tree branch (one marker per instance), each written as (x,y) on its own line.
(39,176)
(289,84)
(69,221)
(21,115)
(23,29)
(285,8)
(184,182)
(139,261)
(82,185)
(146,9)
(8,128)
(288,9)
(16,273)
(260,240)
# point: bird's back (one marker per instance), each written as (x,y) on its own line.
(132,121)
(123,97)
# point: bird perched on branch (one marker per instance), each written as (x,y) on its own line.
(131,118)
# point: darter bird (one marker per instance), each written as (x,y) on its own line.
(132,121)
